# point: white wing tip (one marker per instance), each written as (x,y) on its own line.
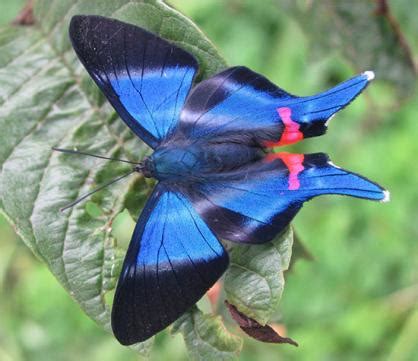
(333,165)
(369,75)
(329,119)
(386,197)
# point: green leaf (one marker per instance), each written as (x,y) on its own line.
(206,337)
(365,32)
(254,280)
(47,99)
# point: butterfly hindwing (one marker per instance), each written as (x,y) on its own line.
(145,78)
(172,260)
(241,104)
(253,204)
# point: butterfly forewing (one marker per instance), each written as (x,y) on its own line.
(145,78)
(172,260)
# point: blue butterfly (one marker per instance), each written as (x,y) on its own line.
(216,178)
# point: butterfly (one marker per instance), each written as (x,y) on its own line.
(217,179)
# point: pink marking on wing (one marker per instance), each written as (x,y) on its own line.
(293,162)
(291,133)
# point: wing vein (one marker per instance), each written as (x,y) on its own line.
(139,91)
(299,100)
(199,230)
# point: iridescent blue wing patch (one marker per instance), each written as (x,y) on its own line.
(239,103)
(145,78)
(256,202)
(172,260)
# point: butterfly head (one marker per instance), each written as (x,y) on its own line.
(146,167)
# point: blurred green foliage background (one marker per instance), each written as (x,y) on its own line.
(357,300)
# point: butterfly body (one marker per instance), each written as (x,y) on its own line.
(187,161)
(216,177)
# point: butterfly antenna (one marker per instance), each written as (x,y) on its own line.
(78,200)
(71,151)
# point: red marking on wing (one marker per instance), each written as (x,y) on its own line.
(291,133)
(293,162)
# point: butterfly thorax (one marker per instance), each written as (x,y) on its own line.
(198,159)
